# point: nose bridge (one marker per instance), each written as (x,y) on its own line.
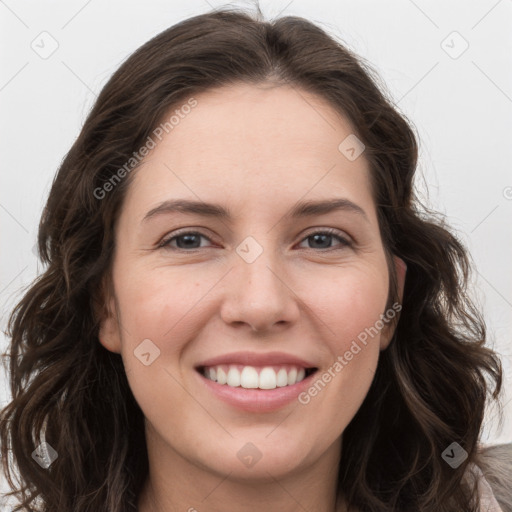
(259,266)
(258,294)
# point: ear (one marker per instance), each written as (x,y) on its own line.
(393,314)
(109,328)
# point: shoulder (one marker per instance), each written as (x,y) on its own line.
(493,466)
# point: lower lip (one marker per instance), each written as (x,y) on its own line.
(257,400)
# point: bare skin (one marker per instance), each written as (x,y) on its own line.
(257,151)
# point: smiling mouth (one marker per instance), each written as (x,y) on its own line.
(254,377)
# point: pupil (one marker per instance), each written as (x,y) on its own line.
(189,240)
(315,237)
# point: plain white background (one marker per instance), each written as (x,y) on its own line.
(446,65)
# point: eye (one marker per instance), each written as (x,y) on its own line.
(189,239)
(327,235)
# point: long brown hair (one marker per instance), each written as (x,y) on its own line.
(432,383)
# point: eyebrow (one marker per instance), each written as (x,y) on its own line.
(301,210)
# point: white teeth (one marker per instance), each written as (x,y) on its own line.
(268,379)
(292,376)
(221,376)
(282,378)
(233,377)
(249,377)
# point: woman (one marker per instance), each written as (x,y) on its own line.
(256,370)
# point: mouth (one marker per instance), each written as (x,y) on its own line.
(256,377)
(255,389)
(255,381)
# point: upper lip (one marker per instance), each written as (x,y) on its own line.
(257,359)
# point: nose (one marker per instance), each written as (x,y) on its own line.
(257,294)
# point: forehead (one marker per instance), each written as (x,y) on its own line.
(252,143)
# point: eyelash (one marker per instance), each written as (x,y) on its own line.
(326,231)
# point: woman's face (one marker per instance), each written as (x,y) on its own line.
(252,296)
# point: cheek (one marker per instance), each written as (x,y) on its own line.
(162,310)
(350,309)
(154,321)
(153,302)
(349,305)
